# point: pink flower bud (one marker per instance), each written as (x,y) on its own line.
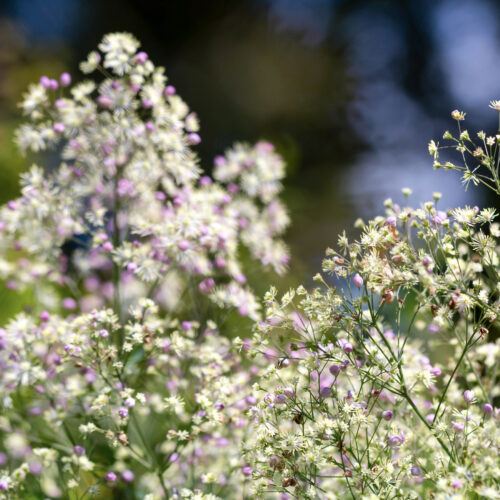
(65,79)
(58,128)
(127,476)
(183,245)
(207,285)
(141,57)
(107,246)
(104,101)
(45,81)
(110,477)
(169,90)
(469,396)
(487,409)
(387,415)
(194,139)
(69,303)
(123,413)
(358,281)
(334,370)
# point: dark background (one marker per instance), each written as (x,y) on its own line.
(349,91)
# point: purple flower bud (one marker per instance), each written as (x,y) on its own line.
(439,219)
(247,470)
(4,485)
(79,451)
(45,81)
(289,392)
(65,79)
(207,285)
(283,362)
(469,396)
(45,316)
(107,246)
(334,370)
(433,328)
(358,281)
(487,409)
(426,261)
(194,139)
(391,221)
(69,303)
(169,90)
(396,441)
(240,278)
(387,415)
(104,101)
(129,402)
(347,347)
(58,128)
(205,180)
(110,477)
(123,412)
(141,57)
(220,262)
(251,400)
(35,411)
(415,471)
(183,245)
(243,310)
(219,161)
(127,476)
(457,484)
(458,427)
(147,103)
(325,392)
(131,267)
(436,371)
(53,84)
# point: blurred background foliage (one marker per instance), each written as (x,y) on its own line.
(350,91)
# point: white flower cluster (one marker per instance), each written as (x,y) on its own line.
(383,386)
(130,187)
(125,373)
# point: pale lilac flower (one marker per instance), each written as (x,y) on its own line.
(487,409)
(65,79)
(110,477)
(358,281)
(127,476)
(469,396)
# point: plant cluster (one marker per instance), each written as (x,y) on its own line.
(126,379)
